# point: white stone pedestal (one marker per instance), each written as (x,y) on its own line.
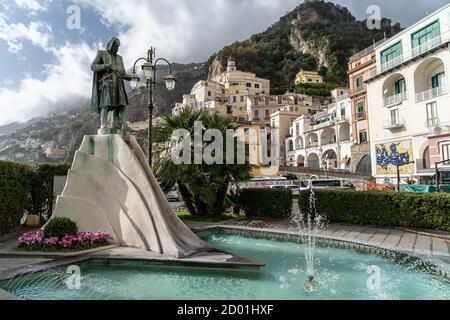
(112,188)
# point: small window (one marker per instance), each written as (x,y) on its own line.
(363,137)
(359,83)
(280,99)
(267,113)
(360,107)
(234,99)
(257,86)
(432,117)
(394,117)
(242,98)
(209,94)
(256,101)
(267,101)
(446,152)
(249,85)
(256,114)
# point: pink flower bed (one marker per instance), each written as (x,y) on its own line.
(36,241)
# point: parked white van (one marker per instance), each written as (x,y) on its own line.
(327,184)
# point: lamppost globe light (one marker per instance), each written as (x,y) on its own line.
(148,70)
(134,81)
(170,82)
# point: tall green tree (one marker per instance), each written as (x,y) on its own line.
(204,187)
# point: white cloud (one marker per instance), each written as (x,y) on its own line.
(182,30)
(186,30)
(67,83)
(33,5)
(39,33)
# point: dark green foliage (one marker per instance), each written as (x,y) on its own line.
(321,90)
(14,194)
(383,209)
(60,227)
(204,187)
(266,203)
(330,30)
(26,187)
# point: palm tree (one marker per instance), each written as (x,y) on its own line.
(204,187)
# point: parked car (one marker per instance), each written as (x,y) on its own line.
(173,196)
(327,184)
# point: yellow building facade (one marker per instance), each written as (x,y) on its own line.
(308,77)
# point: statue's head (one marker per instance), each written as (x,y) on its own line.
(113,45)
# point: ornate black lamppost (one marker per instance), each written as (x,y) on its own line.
(149,69)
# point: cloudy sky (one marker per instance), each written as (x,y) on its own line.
(46,51)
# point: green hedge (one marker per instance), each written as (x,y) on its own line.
(267,203)
(383,208)
(26,187)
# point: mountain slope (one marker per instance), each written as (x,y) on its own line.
(317,35)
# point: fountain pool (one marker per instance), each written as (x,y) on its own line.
(340,274)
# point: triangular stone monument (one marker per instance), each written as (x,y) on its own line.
(111,188)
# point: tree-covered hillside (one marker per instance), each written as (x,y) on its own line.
(317,35)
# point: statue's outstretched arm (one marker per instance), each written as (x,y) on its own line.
(98,64)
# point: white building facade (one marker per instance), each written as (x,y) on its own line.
(409,101)
(323,140)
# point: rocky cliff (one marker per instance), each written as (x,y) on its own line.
(317,35)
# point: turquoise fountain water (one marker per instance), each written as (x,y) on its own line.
(339,274)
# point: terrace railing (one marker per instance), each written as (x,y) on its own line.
(395,99)
(431,93)
(410,55)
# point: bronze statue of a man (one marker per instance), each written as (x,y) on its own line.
(108,92)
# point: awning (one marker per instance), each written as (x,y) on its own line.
(425,174)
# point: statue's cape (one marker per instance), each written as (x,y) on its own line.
(95,100)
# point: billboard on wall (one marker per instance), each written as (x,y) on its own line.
(391,154)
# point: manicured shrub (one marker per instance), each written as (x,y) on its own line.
(26,188)
(383,208)
(59,227)
(270,203)
(14,194)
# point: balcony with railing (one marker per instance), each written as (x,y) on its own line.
(361,115)
(394,124)
(391,64)
(395,99)
(411,55)
(433,123)
(431,93)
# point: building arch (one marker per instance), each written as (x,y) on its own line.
(330,159)
(429,74)
(313,161)
(394,84)
(328,136)
(365,165)
(299,144)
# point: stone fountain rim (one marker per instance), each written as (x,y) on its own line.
(434,265)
